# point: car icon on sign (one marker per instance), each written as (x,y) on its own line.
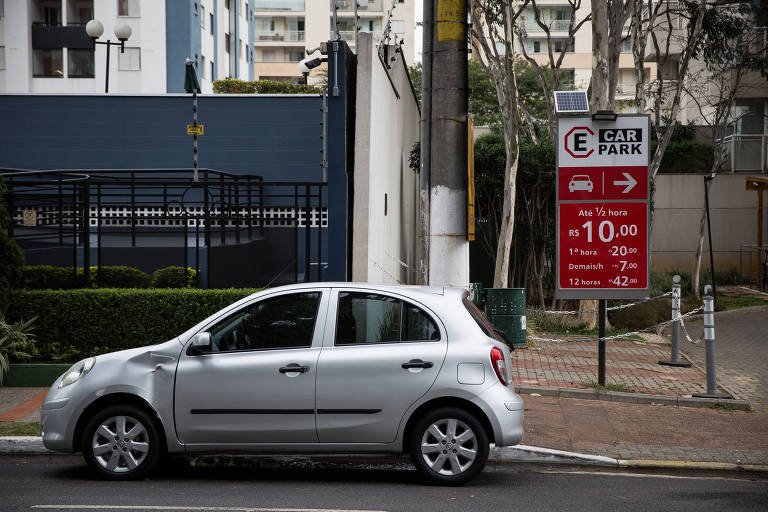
(580,182)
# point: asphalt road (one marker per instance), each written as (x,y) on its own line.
(65,483)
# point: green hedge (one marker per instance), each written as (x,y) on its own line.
(72,324)
(686,157)
(174,277)
(235,86)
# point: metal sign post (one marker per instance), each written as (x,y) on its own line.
(603,211)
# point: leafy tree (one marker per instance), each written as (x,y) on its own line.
(11,257)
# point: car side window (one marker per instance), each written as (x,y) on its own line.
(286,321)
(367,318)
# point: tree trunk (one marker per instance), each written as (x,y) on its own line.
(699,253)
(599,84)
(501,272)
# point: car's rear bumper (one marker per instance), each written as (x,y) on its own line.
(504,409)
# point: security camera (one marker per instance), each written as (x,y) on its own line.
(323,49)
(307,64)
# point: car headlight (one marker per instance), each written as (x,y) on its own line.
(77,372)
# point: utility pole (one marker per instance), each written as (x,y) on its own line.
(448,245)
(425,135)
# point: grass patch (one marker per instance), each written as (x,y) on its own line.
(608,387)
(725,302)
(13,428)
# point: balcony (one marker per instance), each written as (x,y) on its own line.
(554,26)
(364,5)
(279,5)
(748,153)
(278,36)
(625,90)
(349,36)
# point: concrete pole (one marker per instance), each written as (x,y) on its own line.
(674,359)
(425,139)
(448,245)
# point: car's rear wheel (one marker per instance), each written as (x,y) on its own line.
(122,442)
(449,446)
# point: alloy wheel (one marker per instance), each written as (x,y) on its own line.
(449,446)
(120,444)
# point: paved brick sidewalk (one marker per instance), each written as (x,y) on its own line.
(633,431)
(741,352)
(631,363)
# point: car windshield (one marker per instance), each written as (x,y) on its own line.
(480,319)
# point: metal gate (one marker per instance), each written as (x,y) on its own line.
(235,230)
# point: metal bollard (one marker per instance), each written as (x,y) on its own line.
(675,332)
(709,341)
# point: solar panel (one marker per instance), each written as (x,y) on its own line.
(571,101)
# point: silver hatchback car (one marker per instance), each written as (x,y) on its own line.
(310,368)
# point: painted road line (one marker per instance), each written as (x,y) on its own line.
(193,509)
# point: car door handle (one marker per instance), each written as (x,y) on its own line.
(294,368)
(417,363)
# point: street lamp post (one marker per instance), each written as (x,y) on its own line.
(95,29)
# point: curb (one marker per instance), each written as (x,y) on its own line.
(31,445)
(634,398)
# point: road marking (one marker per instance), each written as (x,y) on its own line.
(193,509)
(641,475)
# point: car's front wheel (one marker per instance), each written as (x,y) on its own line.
(121,442)
(449,446)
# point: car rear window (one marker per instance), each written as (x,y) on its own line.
(480,319)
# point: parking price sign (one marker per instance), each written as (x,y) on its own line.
(603,208)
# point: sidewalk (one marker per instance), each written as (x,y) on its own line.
(641,433)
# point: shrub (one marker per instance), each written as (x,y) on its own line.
(235,86)
(72,324)
(16,341)
(11,257)
(174,277)
(686,157)
(47,277)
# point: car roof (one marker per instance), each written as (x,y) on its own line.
(401,289)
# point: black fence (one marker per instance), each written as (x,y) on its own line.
(234,230)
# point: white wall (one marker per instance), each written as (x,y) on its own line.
(384,245)
(679,200)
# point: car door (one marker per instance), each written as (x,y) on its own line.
(257,384)
(382,353)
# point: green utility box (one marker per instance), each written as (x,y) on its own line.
(505,309)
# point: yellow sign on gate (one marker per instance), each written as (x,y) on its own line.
(195,129)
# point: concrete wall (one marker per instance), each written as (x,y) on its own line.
(679,201)
(387,126)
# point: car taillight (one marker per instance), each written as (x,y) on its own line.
(499,365)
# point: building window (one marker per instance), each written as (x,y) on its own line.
(212,25)
(130,60)
(398,26)
(213,71)
(626,46)
(202,17)
(48,63)
(80,63)
(226,42)
(268,56)
(536,47)
(194,8)
(202,67)
(2,8)
(2,55)
(295,55)
(240,48)
(51,15)
(128,8)
(226,4)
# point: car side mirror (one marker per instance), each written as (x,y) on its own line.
(505,338)
(201,343)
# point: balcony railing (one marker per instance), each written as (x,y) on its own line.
(554,25)
(349,36)
(363,5)
(625,89)
(283,35)
(279,5)
(745,153)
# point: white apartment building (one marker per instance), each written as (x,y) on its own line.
(44,47)
(285,29)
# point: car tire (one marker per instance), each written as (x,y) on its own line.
(122,443)
(449,446)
